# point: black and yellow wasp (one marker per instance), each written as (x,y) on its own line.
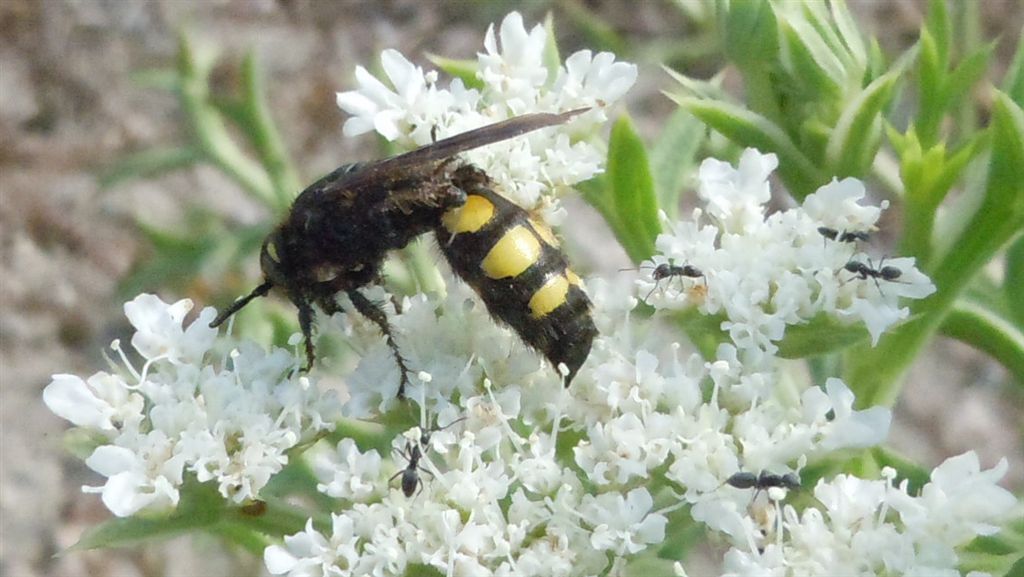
(340,228)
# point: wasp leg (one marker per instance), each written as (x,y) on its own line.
(306,324)
(373,312)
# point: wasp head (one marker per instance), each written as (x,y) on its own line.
(273,274)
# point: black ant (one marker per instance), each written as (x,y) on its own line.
(850,236)
(865,271)
(412,454)
(668,271)
(764,480)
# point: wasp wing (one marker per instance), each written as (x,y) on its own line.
(448,147)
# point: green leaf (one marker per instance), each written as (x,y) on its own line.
(264,136)
(627,198)
(210,135)
(856,137)
(931,72)
(820,336)
(464,70)
(1013,283)
(673,157)
(1013,83)
(200,508)
(874,374)
(849,33)
(979,326)
(750,129)
(148,163)
(552,59)
(938,27)
(814,64)
(750,34)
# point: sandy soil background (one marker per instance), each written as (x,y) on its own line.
(68,108)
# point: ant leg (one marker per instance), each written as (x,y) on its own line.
(373,312)
(652,291)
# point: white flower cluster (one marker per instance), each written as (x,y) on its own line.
(180,416)
(877,528)
(763,272)
(494,494)
(509,473)
(514,81)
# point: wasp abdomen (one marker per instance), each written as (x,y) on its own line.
(515,265)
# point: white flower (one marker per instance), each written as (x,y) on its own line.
(159,330)
(103,402)
(309,553)
(532,169)
(145,475)
(231,426)
(623,524)
(349,473)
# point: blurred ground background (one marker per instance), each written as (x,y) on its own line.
(68,108)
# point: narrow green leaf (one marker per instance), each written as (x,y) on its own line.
(265,137)
(673,157)
(632,190)
(939,28)
(552,59)
(814,64)
(931,73)
(464,70)
(1013,83)
(1013,283)
(750,129)
(211,136)
(704,89)
(750,34)
(857,135)
(968,73)
(200,508)
(981,327)
(135,530)
(820,336)
(849,32)
(148,163)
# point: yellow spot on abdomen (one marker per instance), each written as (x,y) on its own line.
(573,278)
(543,231)
(514,252)
(549,297)
(469,217)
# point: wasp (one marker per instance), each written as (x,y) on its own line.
(339,230)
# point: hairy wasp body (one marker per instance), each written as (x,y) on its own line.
(338,231)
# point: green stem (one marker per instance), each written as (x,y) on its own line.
(211,134)
(984,329)
(265,137)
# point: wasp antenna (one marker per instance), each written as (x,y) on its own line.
(259,291)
